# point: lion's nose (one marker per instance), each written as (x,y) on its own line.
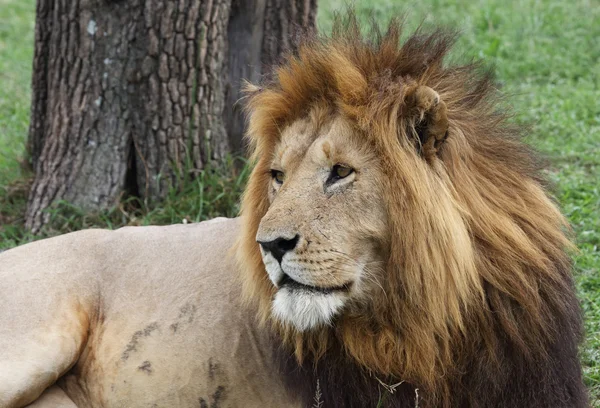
(279,246)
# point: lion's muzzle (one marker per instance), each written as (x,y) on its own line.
(279,246)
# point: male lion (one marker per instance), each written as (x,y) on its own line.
(396,248)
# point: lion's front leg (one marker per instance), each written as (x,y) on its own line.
(32,359)
(53,397)
(46,306)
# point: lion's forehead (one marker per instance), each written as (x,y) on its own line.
(308,136)
(295,141)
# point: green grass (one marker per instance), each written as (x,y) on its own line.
(214,192)
(546,55)
(16,54)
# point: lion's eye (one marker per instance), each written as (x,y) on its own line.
(278,176)
(339,172)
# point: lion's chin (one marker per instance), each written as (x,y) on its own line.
(306,309)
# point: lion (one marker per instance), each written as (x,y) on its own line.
(397,247)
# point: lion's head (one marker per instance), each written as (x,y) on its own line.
(325,255)
(391,209)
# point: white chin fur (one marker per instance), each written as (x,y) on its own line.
(306,309)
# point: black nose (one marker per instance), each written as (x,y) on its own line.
(278,247)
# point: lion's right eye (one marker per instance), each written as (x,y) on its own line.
(339,172)
(278,176)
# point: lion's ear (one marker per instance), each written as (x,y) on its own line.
(431,121)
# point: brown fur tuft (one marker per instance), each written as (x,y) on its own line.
(480,306)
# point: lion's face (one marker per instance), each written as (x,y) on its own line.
(323,237)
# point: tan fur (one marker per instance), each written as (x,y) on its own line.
(138,317)
(53,397)
(468,224)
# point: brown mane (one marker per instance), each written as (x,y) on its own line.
(478,276)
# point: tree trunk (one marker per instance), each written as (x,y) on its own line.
(260,32)
(131,96)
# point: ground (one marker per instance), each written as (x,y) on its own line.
(546,57)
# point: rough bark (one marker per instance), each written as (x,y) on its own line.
(134,95)
(284,20)
(79,126)
(178,106)
(39,90)
(245,34)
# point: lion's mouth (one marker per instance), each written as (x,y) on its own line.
(287,281)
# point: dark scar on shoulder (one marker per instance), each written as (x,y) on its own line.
(213,369)
(135,340)
(216,399)
(186,316)
(146,367)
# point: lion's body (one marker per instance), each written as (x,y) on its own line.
(149,316)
